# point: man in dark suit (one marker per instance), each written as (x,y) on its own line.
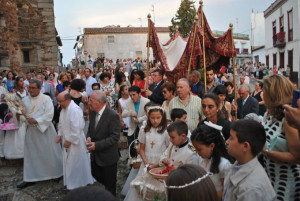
(104,133)
(155,91)
(246,104)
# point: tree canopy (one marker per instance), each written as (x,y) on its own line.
(184,18)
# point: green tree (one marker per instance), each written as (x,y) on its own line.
(184,18)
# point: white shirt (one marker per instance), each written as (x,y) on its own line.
(88,84)
(99,114)
(43,88)
(245,99)
(26,83)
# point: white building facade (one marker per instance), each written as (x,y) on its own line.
(119,42)
(282,36)
(258,38)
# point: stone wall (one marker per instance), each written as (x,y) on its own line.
(27,35)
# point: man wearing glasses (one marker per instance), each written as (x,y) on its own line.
(42,156)
(155,91)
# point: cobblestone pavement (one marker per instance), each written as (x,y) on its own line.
(11,174)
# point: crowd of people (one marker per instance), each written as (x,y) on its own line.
(216,148)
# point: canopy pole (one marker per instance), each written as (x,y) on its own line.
(234,69)
(148,53)
(203,48)
(193,44)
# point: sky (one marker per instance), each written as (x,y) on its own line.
(72,16)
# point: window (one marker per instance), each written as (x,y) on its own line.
(281,24)
(290,58)
(274,60)
(101,54)
(274,32)
(281,59)
(237,50)
(139,53)
(290,25)
(245,50)
(26,56)
(274,27)
(242,61)
(2,21)
(267,60)
(111,39)
(256,59)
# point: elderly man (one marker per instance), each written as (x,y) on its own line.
(246,104)
(47,88)
(42,156)
(104,131)
(185,100)
(198,86)
(89,81)
(76,163)
(155,91)
(243,83)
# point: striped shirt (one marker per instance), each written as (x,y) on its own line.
(193,109)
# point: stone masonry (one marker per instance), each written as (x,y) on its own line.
(27,35)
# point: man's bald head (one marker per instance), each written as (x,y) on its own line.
(64,99)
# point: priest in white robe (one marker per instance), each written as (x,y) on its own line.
(42,156)
(76,162)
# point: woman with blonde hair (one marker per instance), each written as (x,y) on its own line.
(282,152)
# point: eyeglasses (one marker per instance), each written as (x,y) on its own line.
(61,101)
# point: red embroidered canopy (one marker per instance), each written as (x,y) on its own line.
(174,55)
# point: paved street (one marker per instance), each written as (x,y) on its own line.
(11,174)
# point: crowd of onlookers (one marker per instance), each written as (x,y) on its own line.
(254,128)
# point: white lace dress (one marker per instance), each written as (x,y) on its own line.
(143,184)
(14,139)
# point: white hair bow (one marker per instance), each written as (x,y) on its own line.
(215,126)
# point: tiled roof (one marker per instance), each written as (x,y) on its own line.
(123,30)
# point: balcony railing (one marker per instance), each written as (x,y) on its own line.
(242,51)
(279,40)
